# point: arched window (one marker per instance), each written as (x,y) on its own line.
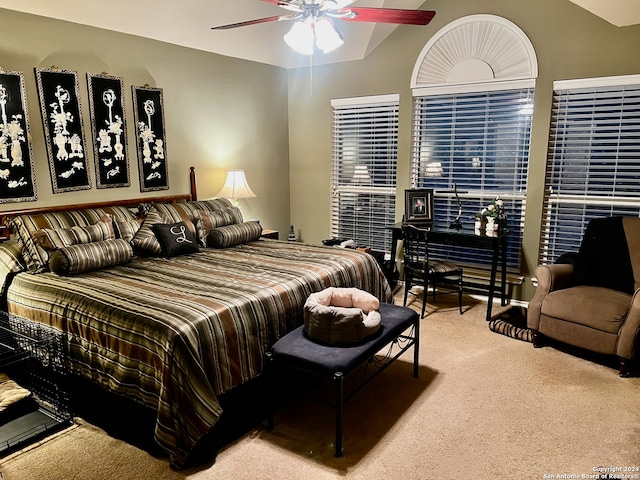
(473,87)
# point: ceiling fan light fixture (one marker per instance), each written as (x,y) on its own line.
(314,27)
(301,37)
(328,38)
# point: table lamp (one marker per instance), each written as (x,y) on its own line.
(235,186)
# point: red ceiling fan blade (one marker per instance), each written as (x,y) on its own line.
(388,15)
(253,22)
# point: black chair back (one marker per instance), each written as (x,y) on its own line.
(416,253)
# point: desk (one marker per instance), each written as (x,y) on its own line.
(466,237)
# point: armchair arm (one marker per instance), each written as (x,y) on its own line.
(629,332)
(550,278)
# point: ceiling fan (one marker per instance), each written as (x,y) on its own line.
(315,21)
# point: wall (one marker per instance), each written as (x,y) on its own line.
(220,112)
(228,113)
(569,43)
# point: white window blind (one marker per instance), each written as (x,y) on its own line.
(593,163)
(477,142)
(364,168)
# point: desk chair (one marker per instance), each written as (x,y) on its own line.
(420,270)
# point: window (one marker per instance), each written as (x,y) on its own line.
(478,143)
(593,163)
(473,87)
(363,174)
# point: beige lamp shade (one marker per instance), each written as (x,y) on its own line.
(235,186)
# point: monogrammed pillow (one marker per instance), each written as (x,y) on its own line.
(175,239)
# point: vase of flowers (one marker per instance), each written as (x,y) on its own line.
(495,215)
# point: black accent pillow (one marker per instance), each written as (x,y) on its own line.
(175,239)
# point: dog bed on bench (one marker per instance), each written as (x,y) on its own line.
(399,331)
(341,316)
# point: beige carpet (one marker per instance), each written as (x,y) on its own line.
(485,406)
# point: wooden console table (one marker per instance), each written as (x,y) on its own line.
(466,237)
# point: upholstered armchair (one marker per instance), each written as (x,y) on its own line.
(591,299)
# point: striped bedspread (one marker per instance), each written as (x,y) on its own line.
(176,333)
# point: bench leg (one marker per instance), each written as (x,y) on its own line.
(269,371)
(416,347)
(338,380)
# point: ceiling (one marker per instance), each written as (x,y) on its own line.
(187,23)
(620,13)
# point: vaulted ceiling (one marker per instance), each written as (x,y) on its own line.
(187,23)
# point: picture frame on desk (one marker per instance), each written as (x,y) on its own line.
(418,207)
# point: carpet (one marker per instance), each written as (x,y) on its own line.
(483,407)
(512,323)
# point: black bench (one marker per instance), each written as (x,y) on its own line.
(296,351)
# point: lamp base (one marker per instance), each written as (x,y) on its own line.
(456,225)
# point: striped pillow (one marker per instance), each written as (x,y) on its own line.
(36,256)
(235,234)
(207,221)
(87,257)
(120,212)
(52,238)
(24,226)
(127,229)
(11,262)
(11,257)
(212,205)
(145,241)
(178,212)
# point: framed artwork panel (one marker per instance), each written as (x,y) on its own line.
(17,172)
(63,129)
(418,206)
(148,112)
(108,126)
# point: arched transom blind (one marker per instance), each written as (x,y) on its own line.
(363,175)
(593,163)
(475,49)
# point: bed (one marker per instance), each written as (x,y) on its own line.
(173,332)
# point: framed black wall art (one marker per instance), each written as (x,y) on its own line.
(106,105)
(17,177)
(148,112)
(418,206)
(63,129)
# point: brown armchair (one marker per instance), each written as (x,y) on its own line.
(591,299)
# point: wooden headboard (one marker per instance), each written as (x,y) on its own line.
(131,202)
